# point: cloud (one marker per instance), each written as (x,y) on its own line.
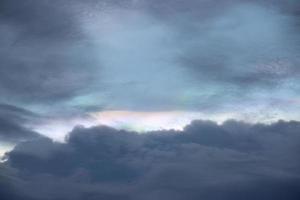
(219,50)
(13,122)
(234,160)
(63,58)
(42,47)
(40,19)
(64,54)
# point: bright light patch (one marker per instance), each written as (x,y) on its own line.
(57,129)
(5,147)
(150,121)
(140,122)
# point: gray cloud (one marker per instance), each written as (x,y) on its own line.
(40,19)
(13,122)
(43,52)
(205,49)
(237,49)
(234,160)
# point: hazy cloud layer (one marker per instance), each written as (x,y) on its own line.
(205,161)
(84,55)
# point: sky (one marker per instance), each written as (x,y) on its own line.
(135,95)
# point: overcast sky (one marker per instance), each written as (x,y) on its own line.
(155,67)
(137,55)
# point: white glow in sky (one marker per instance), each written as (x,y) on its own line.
(5,147)
(140,121)
(137,121)
(149,121)
(57,129)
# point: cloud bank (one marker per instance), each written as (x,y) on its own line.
(234,160)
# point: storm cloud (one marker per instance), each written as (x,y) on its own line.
(230,161)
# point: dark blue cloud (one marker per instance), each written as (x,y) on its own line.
(233,161)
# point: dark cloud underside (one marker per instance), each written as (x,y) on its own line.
(232,161)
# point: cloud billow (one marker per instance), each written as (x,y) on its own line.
(230,161)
